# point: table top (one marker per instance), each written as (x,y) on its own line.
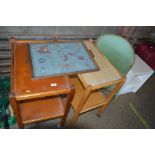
(107,74)
(24,86)
(52,59)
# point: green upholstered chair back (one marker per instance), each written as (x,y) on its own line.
(117,50)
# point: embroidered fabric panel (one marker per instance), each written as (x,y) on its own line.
(60,58)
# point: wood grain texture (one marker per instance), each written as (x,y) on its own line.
(80,105)
(111,95)
(95,100)
(36,100)
(107,72)
(88,95)
(16,110)
(36,110)
(25,86)
(68,105)
(13,101)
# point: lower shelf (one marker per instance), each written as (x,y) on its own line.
(41,109)
(95,100)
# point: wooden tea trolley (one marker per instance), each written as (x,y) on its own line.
(88,95)
(35,100)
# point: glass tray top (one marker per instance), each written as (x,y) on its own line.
(53,59)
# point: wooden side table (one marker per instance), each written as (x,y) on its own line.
(35,100)
(88,85)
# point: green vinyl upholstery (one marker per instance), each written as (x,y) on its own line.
(118,51)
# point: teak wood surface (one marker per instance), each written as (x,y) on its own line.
(35,99)
(89,96)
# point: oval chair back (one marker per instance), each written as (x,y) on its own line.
(118,51)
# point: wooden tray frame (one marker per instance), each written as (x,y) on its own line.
(90,54)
